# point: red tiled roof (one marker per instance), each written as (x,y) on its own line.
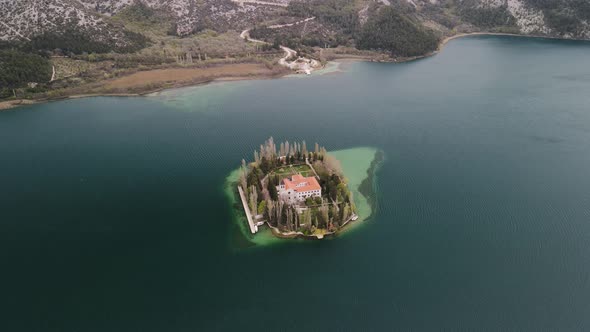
(309,183)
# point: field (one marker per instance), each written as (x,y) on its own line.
(293,169)
(188,75)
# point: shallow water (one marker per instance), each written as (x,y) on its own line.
(113,215)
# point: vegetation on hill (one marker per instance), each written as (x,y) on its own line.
(396,33)
(142,19)
(339,13)
(18,68)
(487,17)
(71,40)
(565,16)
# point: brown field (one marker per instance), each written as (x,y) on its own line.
(188,75)
(5,105)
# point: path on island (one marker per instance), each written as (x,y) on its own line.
(289,53)
(253,227)
(263,3)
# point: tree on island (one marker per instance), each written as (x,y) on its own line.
(270,166)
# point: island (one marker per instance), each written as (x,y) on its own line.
(292,191)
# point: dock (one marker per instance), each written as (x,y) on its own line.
(253,227)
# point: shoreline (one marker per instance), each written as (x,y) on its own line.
(446,40)
(15,103)
(365,200)
(8,105)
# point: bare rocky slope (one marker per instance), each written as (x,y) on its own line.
(25,19)
(556,18)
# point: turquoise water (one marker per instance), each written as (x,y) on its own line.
(113,215)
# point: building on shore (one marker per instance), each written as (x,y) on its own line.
(298,188)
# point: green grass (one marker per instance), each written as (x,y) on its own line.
(295,169)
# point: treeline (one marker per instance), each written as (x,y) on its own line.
(295,41)
(18,68)
(275,37)
(396,33)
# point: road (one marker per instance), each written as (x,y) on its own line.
(289,53)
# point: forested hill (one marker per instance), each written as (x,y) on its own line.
(89,21)
(414,27)
(399,34)
(87,25)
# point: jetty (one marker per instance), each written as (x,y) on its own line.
(253,226)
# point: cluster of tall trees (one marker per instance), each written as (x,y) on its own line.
(338,13)
(259,183)
(269,157)
(288,218)
(19,68)
(339,18)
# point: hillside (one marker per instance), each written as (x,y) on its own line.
(339,23)
(63,24)
(87,41)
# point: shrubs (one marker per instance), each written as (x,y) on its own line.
(73,41)
(488,17)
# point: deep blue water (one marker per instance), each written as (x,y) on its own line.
(112,215)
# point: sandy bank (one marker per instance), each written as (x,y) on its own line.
(176,76)
(8,104)
(150,81)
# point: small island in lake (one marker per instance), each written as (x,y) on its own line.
(295,191)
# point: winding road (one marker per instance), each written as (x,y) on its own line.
(289,53)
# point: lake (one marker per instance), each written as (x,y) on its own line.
(113,215)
